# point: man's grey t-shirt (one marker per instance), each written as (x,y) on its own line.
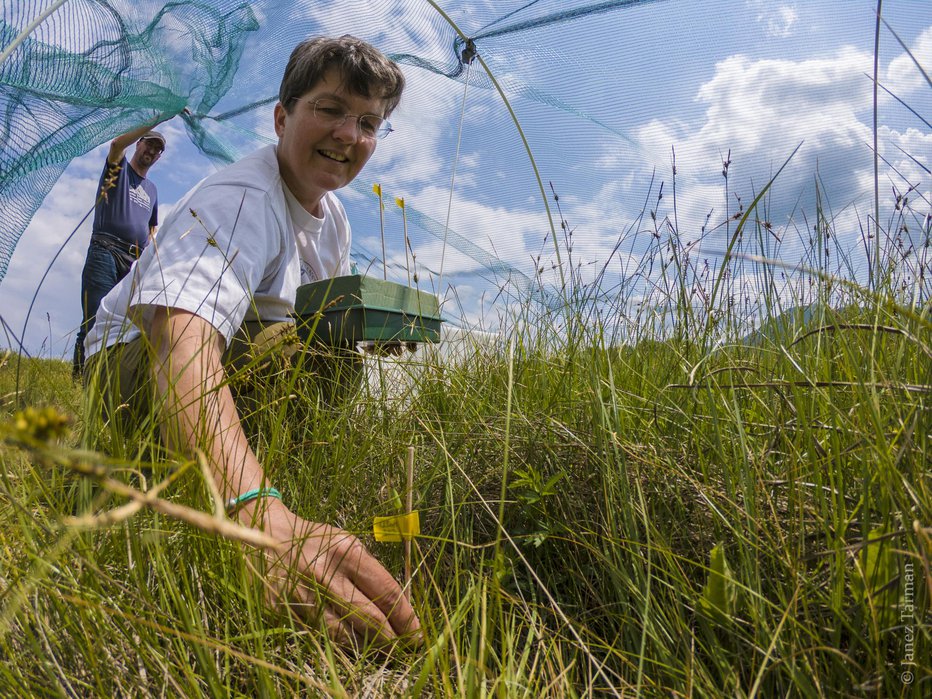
(130,208)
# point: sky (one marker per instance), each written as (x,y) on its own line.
(606,103)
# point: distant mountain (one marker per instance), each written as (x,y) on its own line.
(789,325)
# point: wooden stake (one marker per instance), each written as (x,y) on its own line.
(382,233)
(409,506)
(404,220)
(377,188)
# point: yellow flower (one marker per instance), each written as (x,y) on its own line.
(40,425)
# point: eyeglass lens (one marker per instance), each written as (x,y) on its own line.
(370,125)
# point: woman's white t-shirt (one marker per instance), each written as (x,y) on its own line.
(232,249)
(320,246)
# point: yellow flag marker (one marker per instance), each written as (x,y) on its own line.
(377,188)
(397,527)
(400,201)
(402,527)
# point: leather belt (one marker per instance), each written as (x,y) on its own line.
(112,242)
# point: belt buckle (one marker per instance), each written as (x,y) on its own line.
(135,250)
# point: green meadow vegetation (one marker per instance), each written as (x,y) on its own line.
(639,498)
(707,479)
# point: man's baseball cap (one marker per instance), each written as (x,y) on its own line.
(154,136)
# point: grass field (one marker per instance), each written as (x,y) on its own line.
(712,480)
(693,511)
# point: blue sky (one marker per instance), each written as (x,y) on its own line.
(604,101)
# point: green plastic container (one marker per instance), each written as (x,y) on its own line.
(342,311)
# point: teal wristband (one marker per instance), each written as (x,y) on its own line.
(233,504)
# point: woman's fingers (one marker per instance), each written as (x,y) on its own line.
(347,614)
(370,599)
(325,571)
(378,585)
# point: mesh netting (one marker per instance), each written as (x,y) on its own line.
(524,148)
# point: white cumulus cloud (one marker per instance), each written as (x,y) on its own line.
(777,19)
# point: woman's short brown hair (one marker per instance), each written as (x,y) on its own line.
(364,70)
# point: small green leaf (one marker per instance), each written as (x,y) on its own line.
(548,488)
(873,581)
(719,594)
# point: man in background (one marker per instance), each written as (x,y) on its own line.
(125,219)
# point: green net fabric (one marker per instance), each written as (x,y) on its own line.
(92,70)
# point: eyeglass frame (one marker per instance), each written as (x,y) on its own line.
(385,127)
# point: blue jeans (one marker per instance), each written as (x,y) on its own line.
(101,273)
